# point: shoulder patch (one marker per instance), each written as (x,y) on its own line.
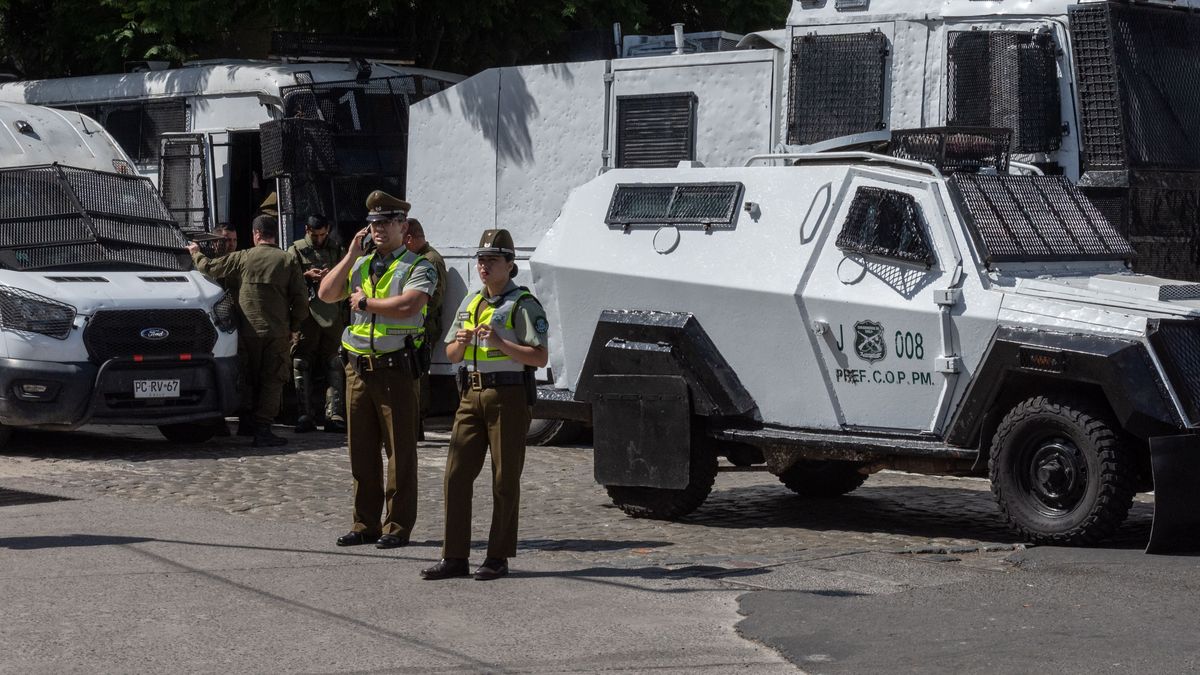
(541,325)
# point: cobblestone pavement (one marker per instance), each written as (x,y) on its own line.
(749,520)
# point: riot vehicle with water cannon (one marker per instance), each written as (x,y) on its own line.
(929,306)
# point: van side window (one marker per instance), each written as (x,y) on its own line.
(138,127)
(836,86)
(656,131)
(1007,80)
(886,223)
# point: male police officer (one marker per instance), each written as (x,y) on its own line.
(499,335)
(416,242)
(388,291)
(321,333)
(274,301)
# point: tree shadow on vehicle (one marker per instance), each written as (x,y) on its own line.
(940,513)
(138,444)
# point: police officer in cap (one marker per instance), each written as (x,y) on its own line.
(499,335)
(388,289)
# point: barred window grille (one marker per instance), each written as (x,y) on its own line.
(138,127)
(656,131)
(1006,80)
(886,223)
(709,205)
(183,182)
(837,86)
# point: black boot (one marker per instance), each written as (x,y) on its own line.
(304,425)
(265,438)
(303,381)
(245,426)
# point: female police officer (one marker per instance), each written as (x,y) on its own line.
(500,337)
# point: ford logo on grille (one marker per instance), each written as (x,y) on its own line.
(155,333)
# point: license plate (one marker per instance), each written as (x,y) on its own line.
(156,388)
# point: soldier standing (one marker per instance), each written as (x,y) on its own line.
(388,291)
(316,346)
(499,335)
(416,242)
(273,302)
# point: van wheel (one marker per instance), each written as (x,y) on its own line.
(1060,473)
(189,432)
(553,432)
(823,478)
(666,503)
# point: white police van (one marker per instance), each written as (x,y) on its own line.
(103,318)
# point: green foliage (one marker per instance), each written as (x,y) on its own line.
(77,37)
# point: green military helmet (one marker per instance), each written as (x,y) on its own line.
(270,205)
(382,206)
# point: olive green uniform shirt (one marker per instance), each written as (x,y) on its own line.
(309,256)
(270,288)
(433,316)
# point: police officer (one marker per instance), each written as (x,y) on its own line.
(388,290)
(316,345)
(270,206)
(416,242)
(499,334)
(273,303)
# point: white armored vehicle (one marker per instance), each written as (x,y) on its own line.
(834,314)
(103,317)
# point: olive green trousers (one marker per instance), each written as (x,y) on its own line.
(382,411)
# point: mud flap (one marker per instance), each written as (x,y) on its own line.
(642,431)
(1176,463)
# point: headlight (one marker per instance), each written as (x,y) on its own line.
(28,312)
(225,313)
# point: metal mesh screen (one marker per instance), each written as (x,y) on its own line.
(15,315)
(954,149)
(117,333)
(1163,224)
(886,223)
(1006,80)
(1177,344)
(711,205)
(183,182)
(297,145)
(1035,218)
(1138,70)
(55,216)
(655,131)
(837,86)
(139,127)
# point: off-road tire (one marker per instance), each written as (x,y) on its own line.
(188,432)
(1060,472)
(823,478)
(671,504)
(553,432)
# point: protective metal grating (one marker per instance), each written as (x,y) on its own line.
(1138,69)
(886,223)
(117,333)
(655,131)
(116,194)
(709,205)
(1163,224)
(34,193)
(183,180)
(72,255)
(14,314)
(1177,344)
(297,145)
(1006,80)
(139,127)
(954,149)
(837,86)
(1036,218)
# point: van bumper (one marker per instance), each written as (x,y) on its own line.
(68,395)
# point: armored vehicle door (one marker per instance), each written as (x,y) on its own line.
(184,181)
(875,297)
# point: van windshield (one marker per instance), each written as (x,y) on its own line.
(60,217)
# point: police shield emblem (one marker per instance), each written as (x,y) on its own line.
(868,341)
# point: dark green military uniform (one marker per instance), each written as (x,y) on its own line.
(493,412)
(381,385)
(433,318)
(320,333)
(273,302)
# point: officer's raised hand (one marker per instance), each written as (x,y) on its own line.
(356,245)
(488,336)
(463,335)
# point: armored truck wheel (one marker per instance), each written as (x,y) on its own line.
(666,503)
(553,432)
(1060,473)
(189,432)
(823,478)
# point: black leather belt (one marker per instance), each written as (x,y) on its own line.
(479,381)
(366,363)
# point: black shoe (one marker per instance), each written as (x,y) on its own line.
(245,426)
(447,568)
(335,426)
(264,438)
(492,568)
(356,539)
(304,425)
(391,541)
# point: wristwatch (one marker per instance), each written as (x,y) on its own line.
(362,304)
